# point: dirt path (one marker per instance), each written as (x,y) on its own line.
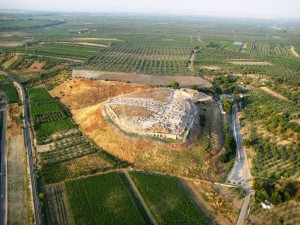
(293,51)
(139,196)
(15,182)
(275,94)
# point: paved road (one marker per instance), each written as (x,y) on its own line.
(27,142)
(240,172)
(3,197)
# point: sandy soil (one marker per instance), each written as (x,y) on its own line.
(15,183)
(293,51)
(184,81)
(275,94)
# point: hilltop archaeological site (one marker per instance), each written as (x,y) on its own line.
(160,112)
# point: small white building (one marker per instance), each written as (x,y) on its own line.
(267,204)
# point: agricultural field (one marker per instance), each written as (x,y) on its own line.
(62,50)
(45,129)
(143,59)
(167,200)
(49,116)
(58,205)
(10,92)
(102,199)
(39,95)
(269,48)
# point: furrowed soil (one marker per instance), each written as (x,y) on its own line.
(15,182)
(85,99)
(58,205)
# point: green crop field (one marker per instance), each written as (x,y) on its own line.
(39,95)
(10,92)
(102,199)
(63,50)
(43,108)
(167,200)
(51,127)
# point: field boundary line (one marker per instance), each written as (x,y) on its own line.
(139,196)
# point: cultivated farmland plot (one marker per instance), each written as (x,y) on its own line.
(167,200)
(102,199)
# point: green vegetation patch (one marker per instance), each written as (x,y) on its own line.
(10,92)
(102,199)
(167,200)
(51,127)
(39,95)
(44,108)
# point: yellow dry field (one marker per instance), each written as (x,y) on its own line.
(211,67)
(14,33)
(249,63)
(79,93)
(94,39)
(84,43)
(10,61)
(294,53)
(11,43)
(273,93)
(219,207)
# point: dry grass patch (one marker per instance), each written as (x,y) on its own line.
(294,53)
(218,208)
(14,120)
(211,67)
(249,63)
(10,61)
(84,43)
(94,39)
(273,93)
(78,93)
(11,43)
